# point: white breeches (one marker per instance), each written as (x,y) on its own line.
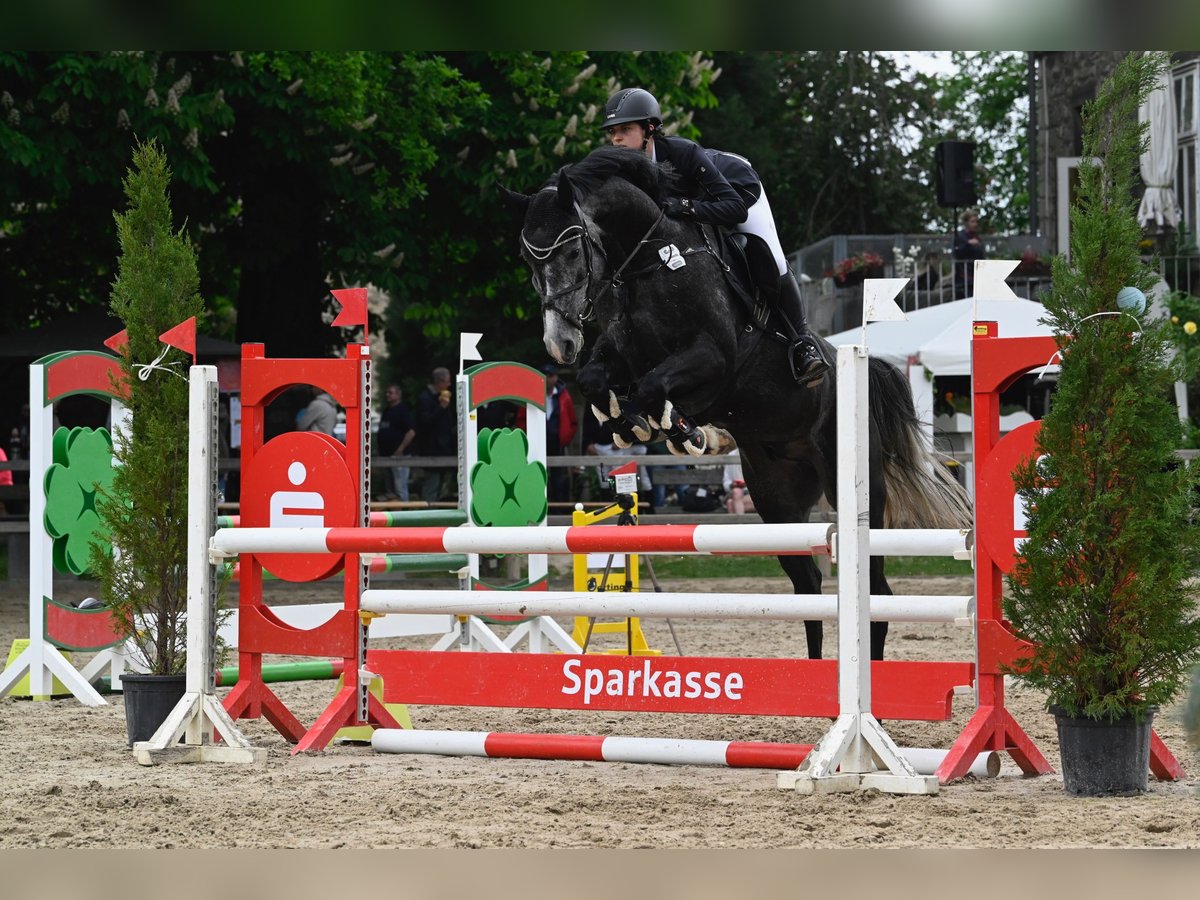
(760,222)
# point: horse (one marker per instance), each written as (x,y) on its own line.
(680,356)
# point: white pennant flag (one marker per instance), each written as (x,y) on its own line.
(879,300)
(989,279)
(468,348)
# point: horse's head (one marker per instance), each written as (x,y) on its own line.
(566,262)
(561,242)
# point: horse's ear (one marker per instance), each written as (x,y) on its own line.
(515,200)
(566,193)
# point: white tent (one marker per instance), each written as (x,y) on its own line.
(937,340)
(939,337)
(949,351)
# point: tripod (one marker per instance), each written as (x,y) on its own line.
(627,517)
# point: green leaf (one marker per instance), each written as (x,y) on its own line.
(64,501)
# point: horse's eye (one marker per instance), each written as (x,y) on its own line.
(574,255)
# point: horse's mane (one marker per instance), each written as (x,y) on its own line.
(605,163)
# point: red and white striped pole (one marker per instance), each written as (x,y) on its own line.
(769,540)
(663,751)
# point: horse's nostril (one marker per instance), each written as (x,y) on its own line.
(569,349)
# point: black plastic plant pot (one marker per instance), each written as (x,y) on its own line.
(149,699)
(1104,758)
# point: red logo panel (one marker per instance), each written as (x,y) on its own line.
(300,480)
(997,500)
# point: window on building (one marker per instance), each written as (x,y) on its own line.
(1187,102)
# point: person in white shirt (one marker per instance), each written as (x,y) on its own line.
(737,495)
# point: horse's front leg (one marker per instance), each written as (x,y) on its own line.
(604,370)
(606,373)
(678,374)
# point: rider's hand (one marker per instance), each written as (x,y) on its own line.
(679,207)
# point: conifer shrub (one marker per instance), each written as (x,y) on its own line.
(144,579)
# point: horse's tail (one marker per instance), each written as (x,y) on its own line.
(921,491)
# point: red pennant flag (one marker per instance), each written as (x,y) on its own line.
(118,342)
(182,337)
(354,307)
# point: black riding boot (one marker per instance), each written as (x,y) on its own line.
(805,355)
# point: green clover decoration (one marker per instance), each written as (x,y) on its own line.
(82,458)
(506,488)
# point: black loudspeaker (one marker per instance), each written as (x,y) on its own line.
(955,173)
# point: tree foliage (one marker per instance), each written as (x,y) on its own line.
(835,135)
(296,172)
(985,100)
(1102,587)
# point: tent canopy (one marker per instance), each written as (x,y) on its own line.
(940,336)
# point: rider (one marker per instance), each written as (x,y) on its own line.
(721,189)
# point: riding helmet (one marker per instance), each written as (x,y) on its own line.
(631,105)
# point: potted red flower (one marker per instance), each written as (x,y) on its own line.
(853,269)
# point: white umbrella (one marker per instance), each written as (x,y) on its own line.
(1158,162)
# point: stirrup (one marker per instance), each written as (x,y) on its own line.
(815,366)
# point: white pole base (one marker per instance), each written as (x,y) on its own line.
(856,754)
(845,782)
(53,664)
(475,634)
(198,715)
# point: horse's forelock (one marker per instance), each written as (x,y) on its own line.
(545,219)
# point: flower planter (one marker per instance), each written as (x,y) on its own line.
(1102,758)
(149,699)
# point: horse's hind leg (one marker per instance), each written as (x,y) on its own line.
(806,579)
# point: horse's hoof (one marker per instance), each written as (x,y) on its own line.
(614,405)
(619,441)
(676,448)
(697,443)
(639,426)
(600,416)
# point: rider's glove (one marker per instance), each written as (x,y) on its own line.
(679,208)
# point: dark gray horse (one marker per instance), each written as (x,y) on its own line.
(680,356)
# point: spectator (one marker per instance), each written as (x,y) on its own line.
(437,432)
(561,425)
(19,449)
(6,479)
(737,495)
(396,434)
(321,414)
(968,247)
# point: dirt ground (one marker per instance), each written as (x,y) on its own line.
(69,780)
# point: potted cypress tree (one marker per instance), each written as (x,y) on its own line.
(143,577)
(1101,590)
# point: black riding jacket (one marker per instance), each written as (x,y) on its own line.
(722,186)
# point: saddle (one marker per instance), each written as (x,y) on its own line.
(749,270)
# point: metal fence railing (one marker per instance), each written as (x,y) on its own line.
(935,276)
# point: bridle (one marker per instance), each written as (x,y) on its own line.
(569,235)
(583,234)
